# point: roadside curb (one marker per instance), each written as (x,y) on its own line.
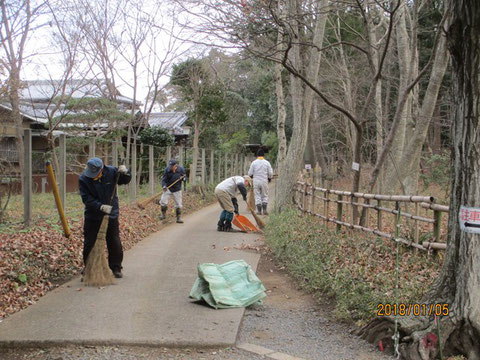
(271,354)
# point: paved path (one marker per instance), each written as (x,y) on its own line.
(150,305)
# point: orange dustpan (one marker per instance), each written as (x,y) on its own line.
(243,223)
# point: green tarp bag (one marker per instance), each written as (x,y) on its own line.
(229,285)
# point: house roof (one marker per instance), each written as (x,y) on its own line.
(36,95)
(172,121)
(33,113)
(44,90)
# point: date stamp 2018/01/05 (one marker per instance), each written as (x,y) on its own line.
(413,309)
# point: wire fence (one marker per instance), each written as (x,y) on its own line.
(23,194)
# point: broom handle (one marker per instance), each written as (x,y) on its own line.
(155,197)
(115,189)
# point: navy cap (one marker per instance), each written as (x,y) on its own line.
(172,162)
(94,166)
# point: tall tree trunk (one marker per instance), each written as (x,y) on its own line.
(281,108)
(405,71)
(378,96)
(409,164)
(458,284)
(316,133)
(13,88)
(282,115)
(302,98)
(462,285)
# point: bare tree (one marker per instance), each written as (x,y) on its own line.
(417,112)
(18,19)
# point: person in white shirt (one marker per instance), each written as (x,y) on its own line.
(261,171)
(226,193)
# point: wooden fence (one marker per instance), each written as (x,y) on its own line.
(307,197)
(212,165)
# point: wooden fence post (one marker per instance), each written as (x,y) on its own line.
(133,169)
(339,212)
(415,232)
(312,202)
(219,170)
(212,166)
(27,177)
(326,205)
(304,198)
(151,170)
(353,209)
(62,171)
(379,215)
(226,166)
(203,167)
(437,216)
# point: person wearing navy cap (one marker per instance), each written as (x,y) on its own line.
(97,185)
(172,187)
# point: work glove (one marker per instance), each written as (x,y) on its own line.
(107,209)
(165,189)
(235,205)
(122,169)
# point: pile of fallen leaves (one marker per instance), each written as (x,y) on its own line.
(36,260)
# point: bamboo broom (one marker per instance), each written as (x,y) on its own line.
(97,272)
(144,203)
(250,201)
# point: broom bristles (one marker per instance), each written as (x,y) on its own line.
(250,201)
(97,272)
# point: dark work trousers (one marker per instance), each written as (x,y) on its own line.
(114,246)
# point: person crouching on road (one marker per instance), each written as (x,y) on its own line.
(97,187)
(226,193)
(172,186)
(261,171)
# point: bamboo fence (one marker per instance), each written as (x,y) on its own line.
(307,196)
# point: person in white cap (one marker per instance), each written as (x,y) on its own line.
(226,193)
(97,185)
(261,171)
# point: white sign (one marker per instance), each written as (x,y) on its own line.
(469,218)
(355,166)
(308,167)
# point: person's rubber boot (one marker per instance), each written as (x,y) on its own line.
(179,216)
(220,225)
(264,206)
(164,213)
(228,226)
(259,209)
(117,273)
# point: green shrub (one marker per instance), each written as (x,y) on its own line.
(359,271)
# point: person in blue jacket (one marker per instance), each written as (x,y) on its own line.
(97,184)
(172,186)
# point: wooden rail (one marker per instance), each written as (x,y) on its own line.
(306,196)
